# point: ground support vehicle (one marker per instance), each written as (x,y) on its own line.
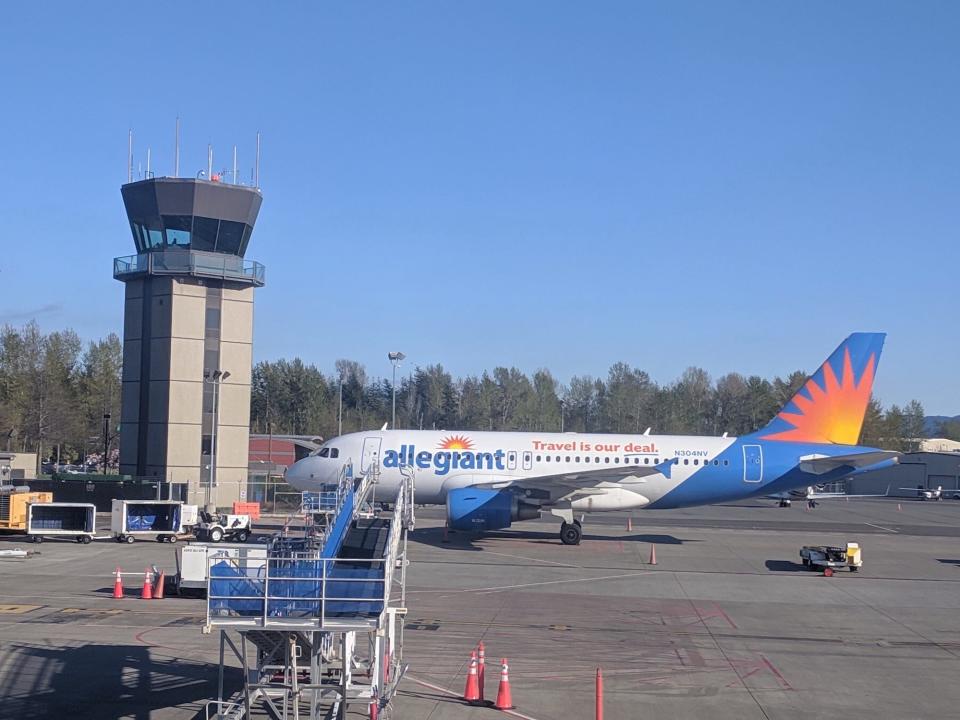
(829,559)
(214,527)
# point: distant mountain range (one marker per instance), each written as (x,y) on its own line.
(931,423)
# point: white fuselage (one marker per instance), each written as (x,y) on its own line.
(442,461)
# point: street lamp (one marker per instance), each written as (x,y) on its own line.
(395,358)
(563,404)
(214,377)
(106,440)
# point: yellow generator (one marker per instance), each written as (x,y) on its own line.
(13,507)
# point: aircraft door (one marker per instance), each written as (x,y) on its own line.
(512,460)
(527,460)
(752,463)
(371,453)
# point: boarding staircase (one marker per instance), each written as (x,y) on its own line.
(314,624)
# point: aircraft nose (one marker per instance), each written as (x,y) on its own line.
(303,474)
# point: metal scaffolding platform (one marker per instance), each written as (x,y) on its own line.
(314,624)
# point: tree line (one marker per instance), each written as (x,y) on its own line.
(290,396)
(55,390)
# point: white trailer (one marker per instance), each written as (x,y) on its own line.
(130,519)
(59,519)
(194,559)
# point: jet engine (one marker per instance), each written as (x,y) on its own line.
(477,509)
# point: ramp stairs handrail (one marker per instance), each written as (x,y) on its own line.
(313,588)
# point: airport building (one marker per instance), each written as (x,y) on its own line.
(925,470)
(188,334)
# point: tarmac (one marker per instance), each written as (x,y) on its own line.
(726,625)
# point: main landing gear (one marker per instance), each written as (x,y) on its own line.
(571,533)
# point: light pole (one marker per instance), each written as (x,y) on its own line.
(215,377)
(106,440)
(563,404)
(395,358)
(340,406)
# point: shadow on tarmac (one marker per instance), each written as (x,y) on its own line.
(785,566)
(102,682)
(461,540)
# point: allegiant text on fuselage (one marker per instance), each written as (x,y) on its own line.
(444,461)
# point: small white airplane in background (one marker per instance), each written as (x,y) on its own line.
(812,494)
(937,493)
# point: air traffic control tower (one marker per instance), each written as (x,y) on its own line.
(188,334)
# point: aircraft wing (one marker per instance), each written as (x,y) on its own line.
(584,482)
(820,464)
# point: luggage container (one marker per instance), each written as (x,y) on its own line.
(76,520)
(194,559)
(130,519)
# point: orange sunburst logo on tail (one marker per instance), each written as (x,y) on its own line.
(456,442)
(832,413)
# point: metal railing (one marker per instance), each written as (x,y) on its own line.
(190,262)
(302,591)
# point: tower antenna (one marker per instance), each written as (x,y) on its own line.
(130,156)
(176,149)
(256,173)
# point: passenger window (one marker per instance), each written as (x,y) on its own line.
(578,458)
(558,458)
(696,461)
(548,458)
(568,458)
(726,462)
(686,461)
(646,461)
(617,460)
(607,460)
(716,462)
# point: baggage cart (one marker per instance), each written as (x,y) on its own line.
(130,519)
(60,519)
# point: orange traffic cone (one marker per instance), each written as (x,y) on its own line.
(158,589)
(471,693)
(146,594)
(504,700)
(653,554)
(599,695)
(118,586)
(481,668)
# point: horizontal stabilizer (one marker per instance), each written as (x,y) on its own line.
(820,464)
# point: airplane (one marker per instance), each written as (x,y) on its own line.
(937,493)
(488,480)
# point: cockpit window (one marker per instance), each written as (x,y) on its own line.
(334,452)
(324,452)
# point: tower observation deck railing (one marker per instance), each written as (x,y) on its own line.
(312,590)
(190,262)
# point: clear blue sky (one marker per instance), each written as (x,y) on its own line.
(733,185)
